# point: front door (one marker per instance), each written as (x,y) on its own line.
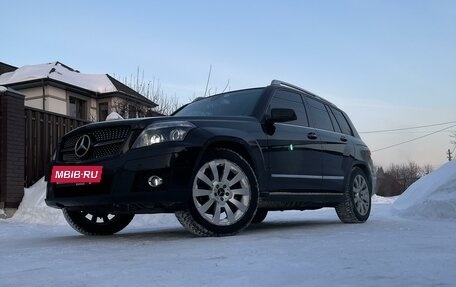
(294,149)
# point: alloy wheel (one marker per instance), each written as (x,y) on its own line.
(221,192)
(361,195)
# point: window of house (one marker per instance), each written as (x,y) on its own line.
(132,112)
(78,108)
(320,116)
(102,111)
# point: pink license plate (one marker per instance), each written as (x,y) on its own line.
(76,174)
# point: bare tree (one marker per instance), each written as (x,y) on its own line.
(427,169)
(152,90)
(398,177)
(210,91)
(167,104)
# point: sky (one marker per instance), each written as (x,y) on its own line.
(387,64)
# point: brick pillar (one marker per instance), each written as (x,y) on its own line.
(12,151)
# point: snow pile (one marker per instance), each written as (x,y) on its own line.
(34,210)
(62,73)
(432,196)
(114,116)
(376,199)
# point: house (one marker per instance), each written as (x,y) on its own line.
(61,89)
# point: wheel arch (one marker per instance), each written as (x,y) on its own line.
(367,172)
(251,152)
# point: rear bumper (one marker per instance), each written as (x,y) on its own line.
(124,183)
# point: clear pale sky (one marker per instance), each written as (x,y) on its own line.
(388,64)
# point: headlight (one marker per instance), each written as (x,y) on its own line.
(163,132)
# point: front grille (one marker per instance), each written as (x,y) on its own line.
(105,142)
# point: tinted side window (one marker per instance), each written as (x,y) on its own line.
(333,120)
(289,100)
(345,127)
(319,115)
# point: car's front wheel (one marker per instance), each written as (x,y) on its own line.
(224,195)
(356,206)
(96,223)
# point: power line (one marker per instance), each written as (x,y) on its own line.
(414,139)
(403,133)
(409,128)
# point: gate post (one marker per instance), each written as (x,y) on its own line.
(12,151)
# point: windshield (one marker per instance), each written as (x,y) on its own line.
(237,103)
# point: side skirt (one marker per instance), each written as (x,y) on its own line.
(299,201)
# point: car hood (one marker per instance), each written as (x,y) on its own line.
(141,123)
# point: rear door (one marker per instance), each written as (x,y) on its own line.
(293,149)
(337,146)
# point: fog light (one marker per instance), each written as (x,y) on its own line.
(155,181)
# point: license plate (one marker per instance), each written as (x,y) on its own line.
(76,174)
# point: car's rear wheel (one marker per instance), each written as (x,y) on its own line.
(224,195)
(260,216)
(96,223)
(356,205)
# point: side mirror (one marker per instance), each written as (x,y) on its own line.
(282,115)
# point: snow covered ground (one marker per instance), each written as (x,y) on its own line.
(398,246)
(290,248)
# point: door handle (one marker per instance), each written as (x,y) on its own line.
(312,136)
(343,138)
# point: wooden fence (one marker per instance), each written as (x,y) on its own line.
(43,130)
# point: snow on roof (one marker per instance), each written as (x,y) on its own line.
(432,196)
(62,73)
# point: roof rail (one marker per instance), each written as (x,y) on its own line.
(288,85)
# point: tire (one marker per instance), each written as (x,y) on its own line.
(96,223)
(260,215)
(224,195)
(356,206)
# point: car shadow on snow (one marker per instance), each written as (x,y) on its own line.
(295,225)
(142,234)
(132,234)
(170,233)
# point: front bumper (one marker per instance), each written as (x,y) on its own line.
(124,186)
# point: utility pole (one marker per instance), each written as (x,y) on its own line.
(449,155)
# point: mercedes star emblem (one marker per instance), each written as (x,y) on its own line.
(82,146)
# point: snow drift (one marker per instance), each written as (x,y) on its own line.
(376,199)
(34,210)
(432,196)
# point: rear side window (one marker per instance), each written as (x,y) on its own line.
(333,120)
(319,115)
(343,123)
(289,100)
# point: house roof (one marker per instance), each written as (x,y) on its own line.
(99,84)
(126,89)
(5,68)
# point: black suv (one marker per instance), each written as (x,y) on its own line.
(218,163)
